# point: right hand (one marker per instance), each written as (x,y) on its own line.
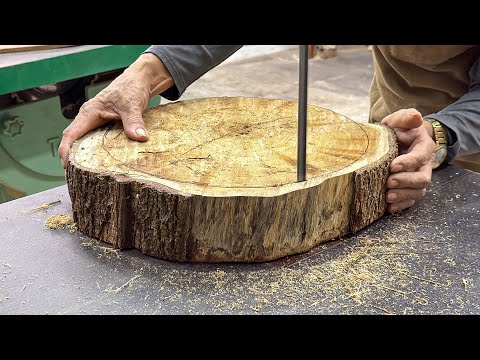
(411,171)
(125,99)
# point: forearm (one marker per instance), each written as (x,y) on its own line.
(462,119)
(187,63)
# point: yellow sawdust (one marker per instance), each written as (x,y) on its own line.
(95,244)
(372,274)
(56,222)
(47,205)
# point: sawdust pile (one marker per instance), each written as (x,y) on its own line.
(56,222)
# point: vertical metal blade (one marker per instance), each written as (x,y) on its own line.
(302,115)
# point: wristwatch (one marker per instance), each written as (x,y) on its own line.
(440,137)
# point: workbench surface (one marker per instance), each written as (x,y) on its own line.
(422,261)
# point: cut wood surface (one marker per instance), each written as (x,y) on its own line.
(216,182)
(16,48)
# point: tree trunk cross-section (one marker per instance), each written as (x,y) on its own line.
(216,182)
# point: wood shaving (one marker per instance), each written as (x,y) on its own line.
(95,244)
(47,205)
(116,290)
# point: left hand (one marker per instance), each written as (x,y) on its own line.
(411,171)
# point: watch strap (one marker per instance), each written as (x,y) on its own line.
(439,132)
(440,138)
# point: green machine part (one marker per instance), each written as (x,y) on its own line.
(30,133)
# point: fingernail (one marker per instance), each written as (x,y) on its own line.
(392,197)
(397,168)
(393,184)
(140,132)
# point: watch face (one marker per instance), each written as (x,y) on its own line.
(439,157)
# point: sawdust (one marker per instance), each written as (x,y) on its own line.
(218,274)
(449,261)
(372,274)
(116,290)
(47,205)
(56,222)
(95,244)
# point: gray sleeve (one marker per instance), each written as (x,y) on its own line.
(462,119)
(186,63)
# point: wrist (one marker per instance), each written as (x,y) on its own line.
(151,70)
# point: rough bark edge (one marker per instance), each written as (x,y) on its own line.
(122,220)
(369,205)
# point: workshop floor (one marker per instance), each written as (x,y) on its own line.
(340,84)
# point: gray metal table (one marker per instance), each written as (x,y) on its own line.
(422,261)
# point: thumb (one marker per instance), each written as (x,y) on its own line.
(134,126)
(404,119)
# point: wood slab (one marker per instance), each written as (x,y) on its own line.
(216,182)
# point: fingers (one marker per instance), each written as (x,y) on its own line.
(122,99)
(411,179)
(133,124)
(411,172)
(405,188)
(421,154)
(91,117)
(399,195)
(417,144)
(404,119)
(85,121)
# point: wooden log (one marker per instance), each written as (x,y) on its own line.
(216,182)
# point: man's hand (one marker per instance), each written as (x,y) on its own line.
(412,169)
(125,99)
